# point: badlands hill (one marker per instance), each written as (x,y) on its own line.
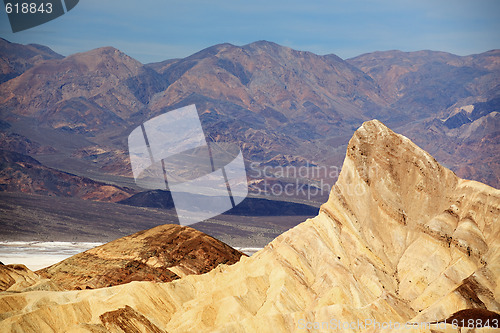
(400,239)
(161,254)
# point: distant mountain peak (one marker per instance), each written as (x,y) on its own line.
(101,53)
(15,58)
(265,44)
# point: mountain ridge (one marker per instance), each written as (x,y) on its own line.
(17,58)
(272,99)
(248,207)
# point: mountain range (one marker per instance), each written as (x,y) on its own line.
(285,107)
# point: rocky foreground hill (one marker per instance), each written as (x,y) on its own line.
(161,254)
(401,240)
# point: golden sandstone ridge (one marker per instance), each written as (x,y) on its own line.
(400,240)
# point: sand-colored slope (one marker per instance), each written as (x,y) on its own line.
(401,239)
(19,278)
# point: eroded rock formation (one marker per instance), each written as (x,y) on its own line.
(160,254)
(401,240)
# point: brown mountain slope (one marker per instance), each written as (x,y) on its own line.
(272,99)
(401,239)
(86,92)
(432,83)
(15,58)
(160,254)
(21,173)
(278,84)
(458,99)
(21,144)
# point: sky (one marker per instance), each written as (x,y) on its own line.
(156,30)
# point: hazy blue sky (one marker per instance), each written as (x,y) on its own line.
(155,30)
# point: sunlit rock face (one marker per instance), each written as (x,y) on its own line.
(400,240)
(17,278)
